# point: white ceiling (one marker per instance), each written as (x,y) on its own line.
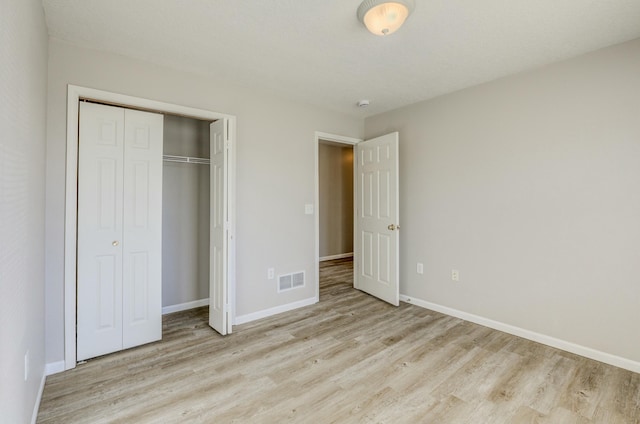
(318,52)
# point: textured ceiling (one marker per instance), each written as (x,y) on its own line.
(318,52)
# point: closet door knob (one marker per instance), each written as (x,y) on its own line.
(115,243)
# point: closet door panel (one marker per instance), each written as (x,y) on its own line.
(218,301)
(106,272)
(99,284)
(142,249)
(139,287)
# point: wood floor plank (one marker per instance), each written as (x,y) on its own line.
(526,415)
(348,359)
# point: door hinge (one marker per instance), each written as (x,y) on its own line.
(226,225)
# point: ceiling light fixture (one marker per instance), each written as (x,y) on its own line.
(384,17)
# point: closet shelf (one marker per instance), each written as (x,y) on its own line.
(186,159)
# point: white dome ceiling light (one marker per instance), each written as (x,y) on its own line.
(384,17)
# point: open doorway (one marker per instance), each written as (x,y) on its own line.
(335,172)
(185,213)
(335,211)
(335,206)
(376,215)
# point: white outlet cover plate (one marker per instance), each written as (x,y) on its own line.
(455,275)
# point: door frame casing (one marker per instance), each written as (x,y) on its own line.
(347,141)
(74,95)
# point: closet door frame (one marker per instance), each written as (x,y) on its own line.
(74,95)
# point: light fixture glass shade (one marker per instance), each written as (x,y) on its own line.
(384,17)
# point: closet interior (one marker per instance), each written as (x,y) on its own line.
(185,213)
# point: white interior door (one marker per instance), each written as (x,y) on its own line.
(218,291)
(119,229)
(142,226)
(376,247)
(100,197)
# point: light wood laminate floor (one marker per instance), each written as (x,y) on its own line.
(348,359)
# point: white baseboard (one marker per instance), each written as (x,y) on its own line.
(54,368)
(243,319)
(36,407)
(587,352)
(339,256)
(184,306)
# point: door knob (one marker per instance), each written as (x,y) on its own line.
(115,243)
(393,227)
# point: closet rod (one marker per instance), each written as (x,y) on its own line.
(186,159)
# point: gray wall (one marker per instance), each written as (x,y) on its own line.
(185,213)
(529,185)
(275,170)
(23,90)
(335,171)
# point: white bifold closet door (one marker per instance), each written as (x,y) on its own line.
(219,313)
(119,286)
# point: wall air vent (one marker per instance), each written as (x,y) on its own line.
(290,281)
(297,279)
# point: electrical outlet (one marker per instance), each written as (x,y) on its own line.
(455,275)
(271,273)
(26,366)
(420,268)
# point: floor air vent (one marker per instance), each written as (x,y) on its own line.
(290,281)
